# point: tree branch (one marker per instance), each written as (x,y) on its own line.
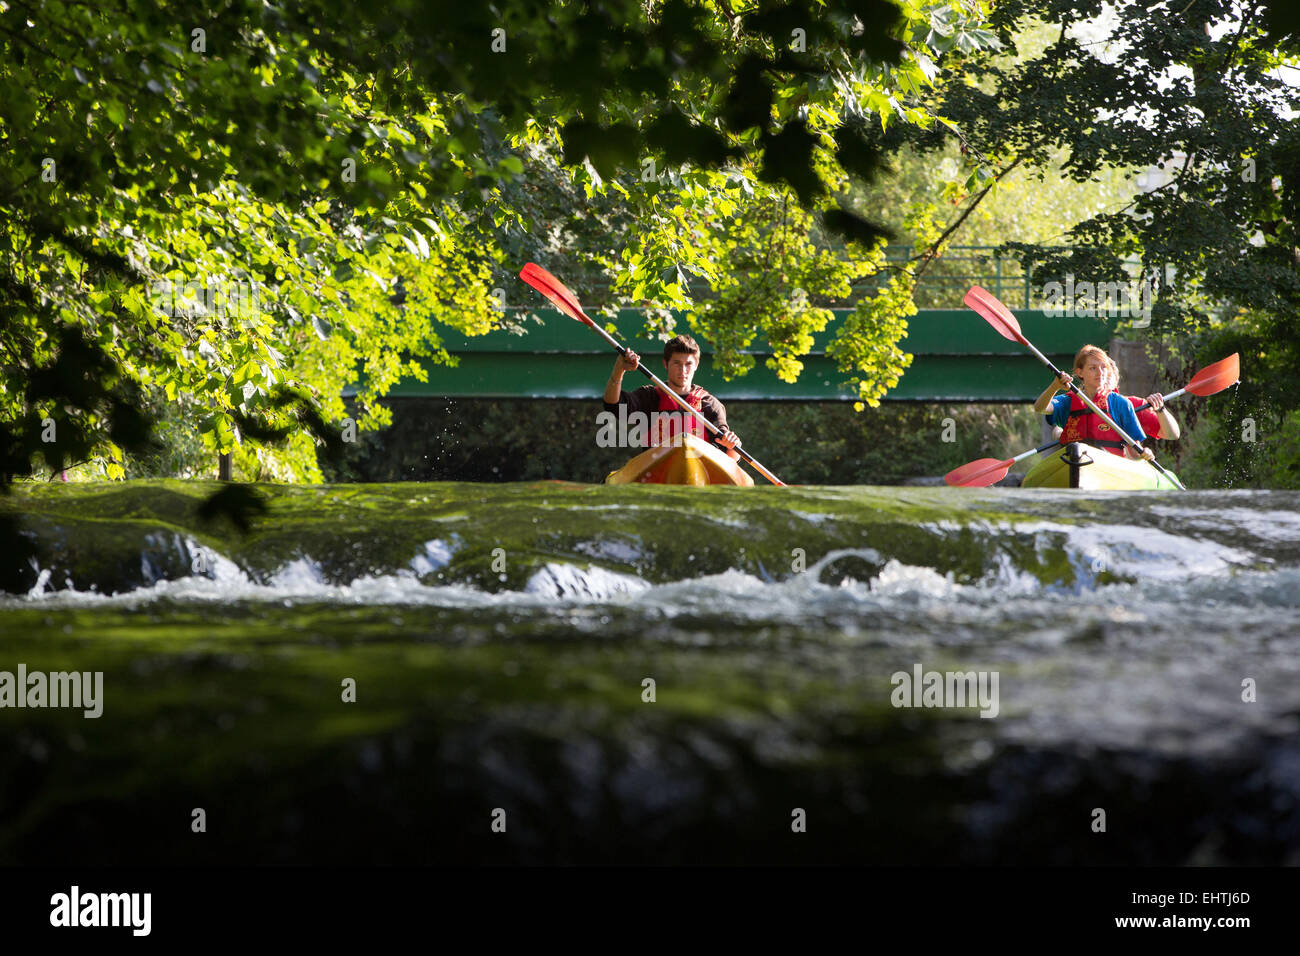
(932,252)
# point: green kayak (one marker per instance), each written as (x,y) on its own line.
(1080,465)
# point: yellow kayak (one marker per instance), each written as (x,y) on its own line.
(1084,466)
(686,460)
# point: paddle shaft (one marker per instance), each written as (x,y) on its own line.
(1036,451)
(1172,395)
(685,407)
(1100,414)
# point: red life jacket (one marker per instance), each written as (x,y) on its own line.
(670,425)
(1148,419)
(1086,426)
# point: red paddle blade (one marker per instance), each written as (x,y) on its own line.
(553,289)
(995,313)
(1215,378)
(979,474)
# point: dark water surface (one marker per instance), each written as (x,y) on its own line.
(500,637)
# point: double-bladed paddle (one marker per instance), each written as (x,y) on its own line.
(1004,323)
(567,302)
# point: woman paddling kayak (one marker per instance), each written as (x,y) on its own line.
(1100,378)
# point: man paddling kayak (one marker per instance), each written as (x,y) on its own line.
(1100,378)
(681,359)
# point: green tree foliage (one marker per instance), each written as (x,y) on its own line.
(241,208)
(1192,92)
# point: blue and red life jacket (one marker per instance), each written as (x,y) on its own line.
(1084,425)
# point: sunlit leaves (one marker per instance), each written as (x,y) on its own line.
(866,344)
(373,185)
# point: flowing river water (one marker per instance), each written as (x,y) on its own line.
(653,674)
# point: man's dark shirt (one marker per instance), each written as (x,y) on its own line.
(646,399)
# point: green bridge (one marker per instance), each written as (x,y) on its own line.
(957,358)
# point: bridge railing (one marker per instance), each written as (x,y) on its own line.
(947,278)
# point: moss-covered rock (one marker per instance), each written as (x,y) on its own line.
(115,537)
